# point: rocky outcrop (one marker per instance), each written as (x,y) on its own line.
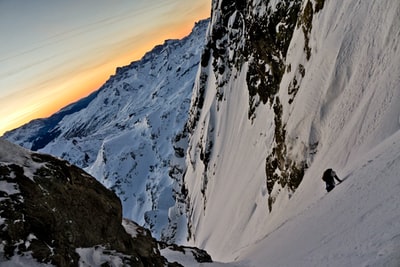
(59,214)
(59,208)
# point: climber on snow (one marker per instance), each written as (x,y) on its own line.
(329,177)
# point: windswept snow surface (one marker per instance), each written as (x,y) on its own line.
(357,224)
(348,106)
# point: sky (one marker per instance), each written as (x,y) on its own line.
(53,52)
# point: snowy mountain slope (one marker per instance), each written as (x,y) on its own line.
(125,136)
(232,127)
(357,224)
(336,106)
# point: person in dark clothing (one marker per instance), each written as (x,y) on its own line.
(329,178)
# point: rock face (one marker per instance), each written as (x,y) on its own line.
(253,39)
(50,208)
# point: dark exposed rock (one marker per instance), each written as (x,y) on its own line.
(279,168)
(241,35)
(268,39)
(61,208)
(305,21)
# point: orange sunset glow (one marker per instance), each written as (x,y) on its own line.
(64,61)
